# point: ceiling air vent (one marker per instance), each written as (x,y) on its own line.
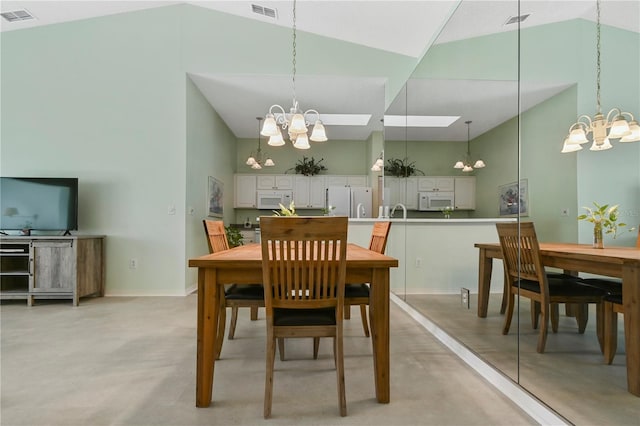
(17,15)
(516,19)
(264,11)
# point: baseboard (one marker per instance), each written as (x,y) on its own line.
(531,405)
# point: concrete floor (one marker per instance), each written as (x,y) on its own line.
(131,361)
(570,376)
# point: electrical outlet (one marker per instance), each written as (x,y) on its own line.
(464,297)
(418,262)
(133,263)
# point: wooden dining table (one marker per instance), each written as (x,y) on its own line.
(620,262)
(243,265)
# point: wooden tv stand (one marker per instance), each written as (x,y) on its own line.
(51,267)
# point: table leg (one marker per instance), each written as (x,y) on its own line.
(207,330)
(631,308)
(379,318)
(484,282)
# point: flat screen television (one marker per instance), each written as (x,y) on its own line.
(38,203)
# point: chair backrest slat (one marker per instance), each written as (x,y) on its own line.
(304,261)
(216,235)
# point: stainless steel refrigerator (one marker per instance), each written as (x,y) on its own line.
(346,200)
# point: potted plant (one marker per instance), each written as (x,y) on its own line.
(401,168)
(604,218)
(308,166)
(234,236)
(284,211)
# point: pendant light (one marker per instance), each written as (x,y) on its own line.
(256,162)
(465,164)
(615,120)
(295,120)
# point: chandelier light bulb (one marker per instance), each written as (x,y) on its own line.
(318,134)
(479,164)
(619,128)
(467,169)
(256,166)
(270,127)
(269,163)
(276,140)
(459,165)
(602,146)
(302,141)
(570,147)
(251,161)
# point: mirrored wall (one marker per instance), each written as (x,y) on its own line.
(521,89)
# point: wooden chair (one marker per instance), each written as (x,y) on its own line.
(607,328)
(304,269)
(358,294)
(236,295)
(527,278)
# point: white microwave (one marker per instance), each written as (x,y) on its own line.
(271,199)
(435,201)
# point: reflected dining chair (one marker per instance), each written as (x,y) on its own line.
(234,296)
(527,278)
(304,270)
(358,294)
(612,306)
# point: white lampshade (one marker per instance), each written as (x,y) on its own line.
(479,164)
(318,134)
(379,162)
(276,140)
(634,133)
(251,161)
(297,124)
(603,147)
(376,168)
(619,128)
(570,147)
(459,165)
(269,127)
(578,136)
(269,163)
(302,141)
(467,169)
(256,166)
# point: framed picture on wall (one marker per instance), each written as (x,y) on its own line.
(215,192)
(514,198)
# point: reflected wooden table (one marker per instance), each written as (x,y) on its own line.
(243,265)
(620,262)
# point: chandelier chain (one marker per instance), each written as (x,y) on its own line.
(294,53)
(598,55)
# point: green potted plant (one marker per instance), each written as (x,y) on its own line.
(308,166)
(284,211)
(401,167)
(604,218)
(234,236)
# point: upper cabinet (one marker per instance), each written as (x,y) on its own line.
(275,181)
(465,193)
(435,183)
(336,180)
(309,192)
(244,191)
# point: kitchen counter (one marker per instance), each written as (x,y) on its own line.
(436,256)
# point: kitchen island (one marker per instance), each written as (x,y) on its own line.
(436,256)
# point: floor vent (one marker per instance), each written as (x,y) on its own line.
(516,19)
(264,11)
(17,15)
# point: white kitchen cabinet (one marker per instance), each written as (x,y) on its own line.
(245,191)
(274,181)
(343,180)
(465,193)
(436,183)
(309,192)
(401,190)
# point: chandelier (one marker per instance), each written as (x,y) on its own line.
(466,164)
(256,162)
(295,121)
(615,121)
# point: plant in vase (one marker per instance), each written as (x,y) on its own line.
(446,211)
(234,236)
(284,211)
(327,210)
(605,221)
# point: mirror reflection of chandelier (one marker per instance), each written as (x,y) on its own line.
(256,161)
(615,120)
(466,164)
(295,121)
